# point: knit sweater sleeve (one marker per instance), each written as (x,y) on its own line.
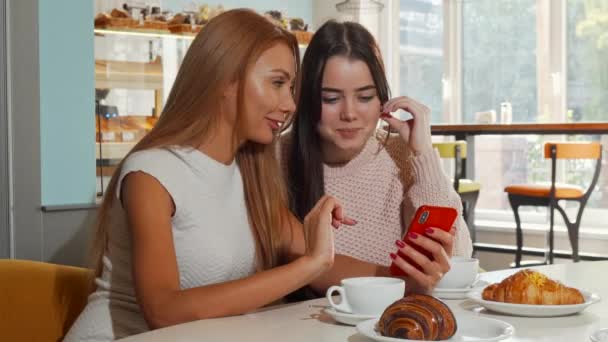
(424,182)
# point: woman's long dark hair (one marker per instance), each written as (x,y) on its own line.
(305,164)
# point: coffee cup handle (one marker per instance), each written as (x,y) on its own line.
(343,306)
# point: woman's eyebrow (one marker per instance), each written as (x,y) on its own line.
(334,90)
(367,87)
(331,90)
(282,71)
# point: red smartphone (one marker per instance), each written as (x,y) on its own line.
(427,216)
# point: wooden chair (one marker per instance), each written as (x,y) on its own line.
(40,301)
(548,195)
(466,188)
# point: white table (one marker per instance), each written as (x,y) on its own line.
(305,321)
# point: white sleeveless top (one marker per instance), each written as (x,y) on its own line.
(211,233)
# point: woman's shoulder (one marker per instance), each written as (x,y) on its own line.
(153,155)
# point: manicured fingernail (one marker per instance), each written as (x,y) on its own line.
(400,243)
(429,230)
(385,116)
(412,235)
(393,256)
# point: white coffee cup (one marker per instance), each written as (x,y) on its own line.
(366,295)
(462,274)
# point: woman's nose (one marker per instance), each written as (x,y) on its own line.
(347,113)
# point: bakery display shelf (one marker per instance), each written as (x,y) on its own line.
(149,33)
(145,33)
(113,150)
(130,75)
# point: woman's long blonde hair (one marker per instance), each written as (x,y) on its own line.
(223,52)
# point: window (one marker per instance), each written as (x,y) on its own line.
(587,32)
(421,52)
(547,59)
(499,59)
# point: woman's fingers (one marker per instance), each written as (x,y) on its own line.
(420,278)
(446,239)
(440,257)
(349,222)
(394,122)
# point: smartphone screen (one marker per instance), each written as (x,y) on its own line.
(426,217)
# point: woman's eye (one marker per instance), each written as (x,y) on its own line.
(278,83)
(366,98)
(330,100)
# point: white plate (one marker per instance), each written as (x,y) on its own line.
(470,329)
(600,336)
(528,310)
(347,318)
(444,293)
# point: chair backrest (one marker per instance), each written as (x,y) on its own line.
(574,150)
(448,149)
(456,150)
(40,301)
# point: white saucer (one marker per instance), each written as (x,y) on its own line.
(470,329)
(445,293)
(527,310)
(600,336)
(347,318)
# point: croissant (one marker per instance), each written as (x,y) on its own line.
(418,317)
(531,287)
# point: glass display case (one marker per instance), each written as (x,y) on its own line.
(138,51)
(134,72)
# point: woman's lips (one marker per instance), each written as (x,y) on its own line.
(348,133)
(274,124)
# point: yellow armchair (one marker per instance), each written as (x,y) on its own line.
(40,301)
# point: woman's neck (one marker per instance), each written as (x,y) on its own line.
(332,155)
(220,145)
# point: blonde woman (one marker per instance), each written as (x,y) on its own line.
(195,223)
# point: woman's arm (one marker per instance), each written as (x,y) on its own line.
(440,243)
(343,266)
(149,209)
(424,179)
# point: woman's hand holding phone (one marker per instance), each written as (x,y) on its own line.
(424,272)
(423,255)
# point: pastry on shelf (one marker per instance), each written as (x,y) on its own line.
(277,18)
(532,287)
(300,30)
(418,317)
(117,18)
(155,20)
(126,128)
(102,20)
(120,13)
(180,23)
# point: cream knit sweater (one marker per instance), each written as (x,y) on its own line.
(381,188)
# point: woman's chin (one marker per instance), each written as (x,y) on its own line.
(264,138)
